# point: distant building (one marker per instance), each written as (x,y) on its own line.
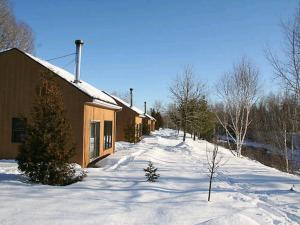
(130,115)
(149,120)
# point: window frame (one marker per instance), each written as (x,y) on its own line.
(18,133)
(108,134)
(97,142)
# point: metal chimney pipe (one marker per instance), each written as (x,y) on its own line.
(131,89)
(145,108)
(78,44)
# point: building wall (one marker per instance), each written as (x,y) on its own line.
(149,124)
(152,126)
(19,77)
(94,113)
(139,122)
(125,117)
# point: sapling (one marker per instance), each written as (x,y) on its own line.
(151,174)
(292,188)
(214,162)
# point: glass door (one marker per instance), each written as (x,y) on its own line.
(94,140)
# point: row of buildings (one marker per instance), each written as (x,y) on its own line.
(97,118)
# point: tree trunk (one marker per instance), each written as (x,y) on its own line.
(209,189)
(238,146)
(194,138)
(184,134)
(292,154)
(286,152)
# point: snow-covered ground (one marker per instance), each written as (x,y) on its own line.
(246,192)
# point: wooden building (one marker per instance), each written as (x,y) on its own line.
(129,116)
(148,120)
(91,112)
(151,122)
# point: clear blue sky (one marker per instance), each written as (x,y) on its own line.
(144,44)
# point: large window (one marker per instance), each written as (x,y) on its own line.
(18,130)
(107,134)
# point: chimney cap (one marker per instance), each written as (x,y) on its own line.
(79,42)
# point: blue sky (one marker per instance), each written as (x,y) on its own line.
(145,44)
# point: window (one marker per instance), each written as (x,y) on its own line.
(18,130)
(94,140)
(107,134)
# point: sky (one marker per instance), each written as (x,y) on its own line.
(144,44)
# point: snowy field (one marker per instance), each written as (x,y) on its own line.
(246,192)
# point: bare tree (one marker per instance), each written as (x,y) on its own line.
(238,91)
(158,106)
(125,96)
(172,117)
(214,160)
(184,90)
(14,34)
(275,126)
(288,69)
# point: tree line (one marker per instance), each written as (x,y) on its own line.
(242,112)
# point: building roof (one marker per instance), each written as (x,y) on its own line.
(100,96)
(135,109)
(150,117)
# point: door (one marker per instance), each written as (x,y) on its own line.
(94,140)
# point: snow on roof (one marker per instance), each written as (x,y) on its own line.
(150,117)
(82,85)
(137,110)
(106,104)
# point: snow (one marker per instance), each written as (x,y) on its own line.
(134,108)
(245,191)
(82,85)
(150,117)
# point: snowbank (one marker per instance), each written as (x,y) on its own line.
(245,192)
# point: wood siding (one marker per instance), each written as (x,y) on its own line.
(152,125)
(19,77)
(94,113)
(124,118)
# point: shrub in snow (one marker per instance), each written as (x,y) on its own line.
(292,188)
(151,173)
(130,133)
(45,154)
(145,128)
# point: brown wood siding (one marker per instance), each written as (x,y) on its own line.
(152,125)
(93,113)
(139,122)
(124,118)
(19,77)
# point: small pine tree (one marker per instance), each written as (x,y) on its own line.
(45,154)
(151,173)
(130,133)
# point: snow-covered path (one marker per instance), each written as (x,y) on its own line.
(246,192)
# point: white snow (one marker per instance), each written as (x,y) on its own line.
(245,192)
(82,85)
(150,117)
(134,108)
